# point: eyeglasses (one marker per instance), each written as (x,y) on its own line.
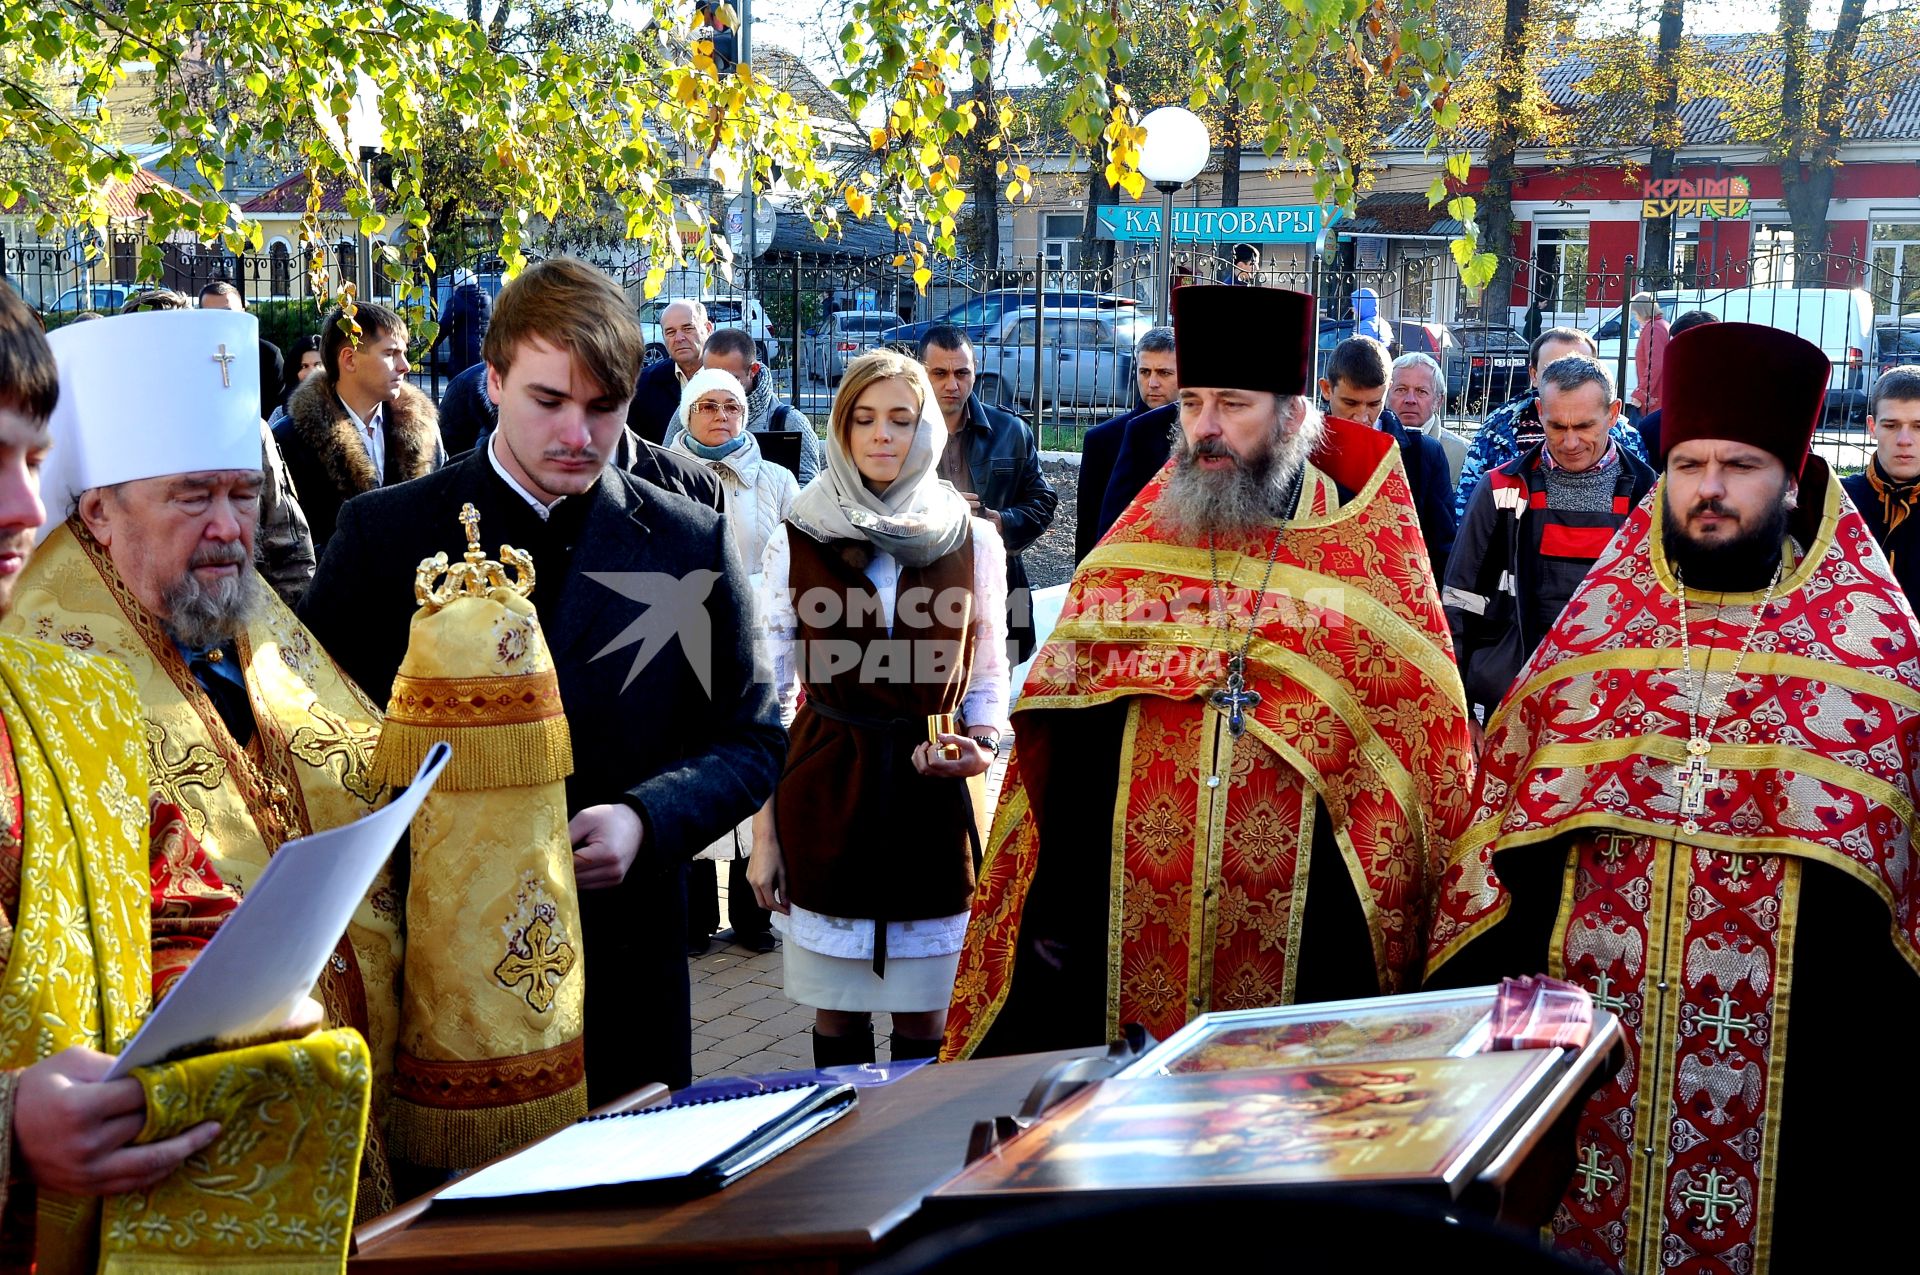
(727,410)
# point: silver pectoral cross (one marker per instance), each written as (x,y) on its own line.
(225,361)
(1695,778)
(1235,698)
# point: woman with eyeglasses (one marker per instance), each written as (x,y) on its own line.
(712,428)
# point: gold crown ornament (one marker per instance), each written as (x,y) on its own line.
(477,575)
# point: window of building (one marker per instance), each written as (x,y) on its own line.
(1419,288)
(1688,266)
(1771,264)
(279,269)
(1560,271)
(1894,279)
(1060,239)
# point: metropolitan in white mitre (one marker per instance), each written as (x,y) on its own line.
(153,497)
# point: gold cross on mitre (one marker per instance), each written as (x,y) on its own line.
(225,361)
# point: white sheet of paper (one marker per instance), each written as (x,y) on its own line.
(266,957)
(646,1146)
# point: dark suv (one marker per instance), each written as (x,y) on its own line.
(1486,366)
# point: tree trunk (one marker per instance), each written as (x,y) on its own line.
(1503,143)
(981,232)
(1813,122)
(1656,257)
(1097,253)
(1231,141)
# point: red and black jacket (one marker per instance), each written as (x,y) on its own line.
(1512,550)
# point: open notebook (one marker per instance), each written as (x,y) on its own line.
(703,1145)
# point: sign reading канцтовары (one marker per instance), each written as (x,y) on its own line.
(1272,223)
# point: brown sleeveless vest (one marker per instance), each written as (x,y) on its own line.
(863,833)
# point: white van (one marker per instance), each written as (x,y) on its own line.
(1838,320)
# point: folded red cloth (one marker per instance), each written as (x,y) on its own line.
(1541,1013)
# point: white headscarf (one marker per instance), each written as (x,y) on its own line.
(920,518)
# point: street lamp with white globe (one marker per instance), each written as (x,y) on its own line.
(1175,151)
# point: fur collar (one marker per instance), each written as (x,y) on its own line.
(320,423)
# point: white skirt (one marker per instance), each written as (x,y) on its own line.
(919,978)
(913,985)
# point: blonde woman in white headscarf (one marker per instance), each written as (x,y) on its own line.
(890,608)
(712,428)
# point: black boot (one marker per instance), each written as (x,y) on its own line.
(907,1048)
(852,1049)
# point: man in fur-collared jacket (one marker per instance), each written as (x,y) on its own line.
(359,425)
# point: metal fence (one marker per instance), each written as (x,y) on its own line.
(1055,344)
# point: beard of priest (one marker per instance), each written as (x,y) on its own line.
(1246,737)
(1697,803)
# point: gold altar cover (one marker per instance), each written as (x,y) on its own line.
(307,768)
(490,1050)
(82,782)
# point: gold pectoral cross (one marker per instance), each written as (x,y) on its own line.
(1695,778)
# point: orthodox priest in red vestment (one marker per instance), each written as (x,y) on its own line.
(1697,802)
(1243,752)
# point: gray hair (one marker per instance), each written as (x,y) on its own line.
(696,307)
(1154,341)
(1417,359)
(1572,371)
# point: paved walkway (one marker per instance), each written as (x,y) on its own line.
(743,1024)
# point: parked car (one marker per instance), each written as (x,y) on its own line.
(1085,358)
(1409,336)
(101,298)
(1486,365)
(745,313)
(980,315)
(1838,320)
(841,338)
(1423,336)
(1896,344)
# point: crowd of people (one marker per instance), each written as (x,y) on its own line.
(1339,704)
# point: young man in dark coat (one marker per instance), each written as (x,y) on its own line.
(358,425)
(993,460)
(1885,494)
(1156,384)
(646,608)
(1355,388)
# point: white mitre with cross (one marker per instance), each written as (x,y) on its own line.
(147,395)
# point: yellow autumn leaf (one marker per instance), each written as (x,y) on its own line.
(922,277)
(953,199)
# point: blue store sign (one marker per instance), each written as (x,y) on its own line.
(1271,223)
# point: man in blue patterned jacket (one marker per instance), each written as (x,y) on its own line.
(1514,426)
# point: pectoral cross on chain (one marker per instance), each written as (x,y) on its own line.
(1235,698)
(225,361)
(1695,778)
